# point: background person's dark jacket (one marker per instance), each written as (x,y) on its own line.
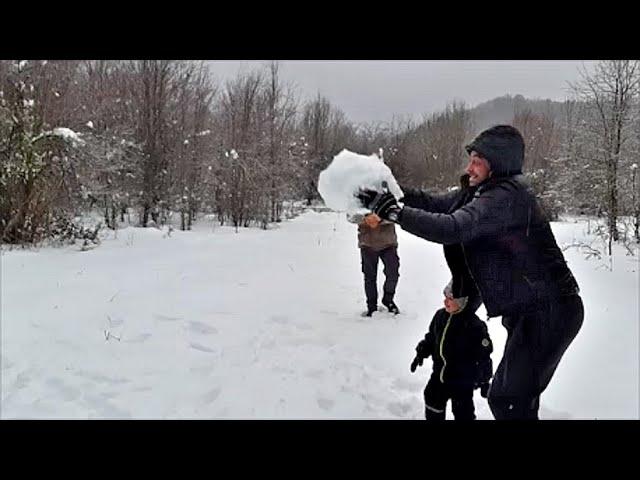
(461,349)
(506,239)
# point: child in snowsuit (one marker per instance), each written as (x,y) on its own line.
(459,343)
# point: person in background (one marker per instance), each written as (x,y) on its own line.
(377,240)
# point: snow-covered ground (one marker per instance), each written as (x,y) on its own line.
(265,324)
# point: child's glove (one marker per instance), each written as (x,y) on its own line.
(422,349)
(417,361)
(422,352)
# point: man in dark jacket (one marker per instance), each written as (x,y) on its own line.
(461,348)
(513,258)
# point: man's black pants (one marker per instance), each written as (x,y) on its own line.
(536,341)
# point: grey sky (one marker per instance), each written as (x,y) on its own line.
(377,90)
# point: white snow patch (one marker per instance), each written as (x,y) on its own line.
(266,325)
(67,134)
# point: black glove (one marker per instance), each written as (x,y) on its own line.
(382,204)
(484,389)
(367,196)
(416,361)
(422,352)
(422,349)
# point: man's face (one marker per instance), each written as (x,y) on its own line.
(478,169)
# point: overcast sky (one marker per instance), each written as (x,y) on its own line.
(377,90)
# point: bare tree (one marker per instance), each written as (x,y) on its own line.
(610,93)
(438,147)
(542,139)
(238,113)
(280,111)
(325,131)
(635,202)
(315,126)
(152,89)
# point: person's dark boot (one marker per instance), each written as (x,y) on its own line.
(369,311)
(392,307)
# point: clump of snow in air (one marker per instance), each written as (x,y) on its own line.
(90,124)
(347,173)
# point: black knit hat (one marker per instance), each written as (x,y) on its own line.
(503,147)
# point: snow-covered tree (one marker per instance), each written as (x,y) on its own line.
(610,95)
(36,162)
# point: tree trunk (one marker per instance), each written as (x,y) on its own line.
(145,215)
(114,226)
